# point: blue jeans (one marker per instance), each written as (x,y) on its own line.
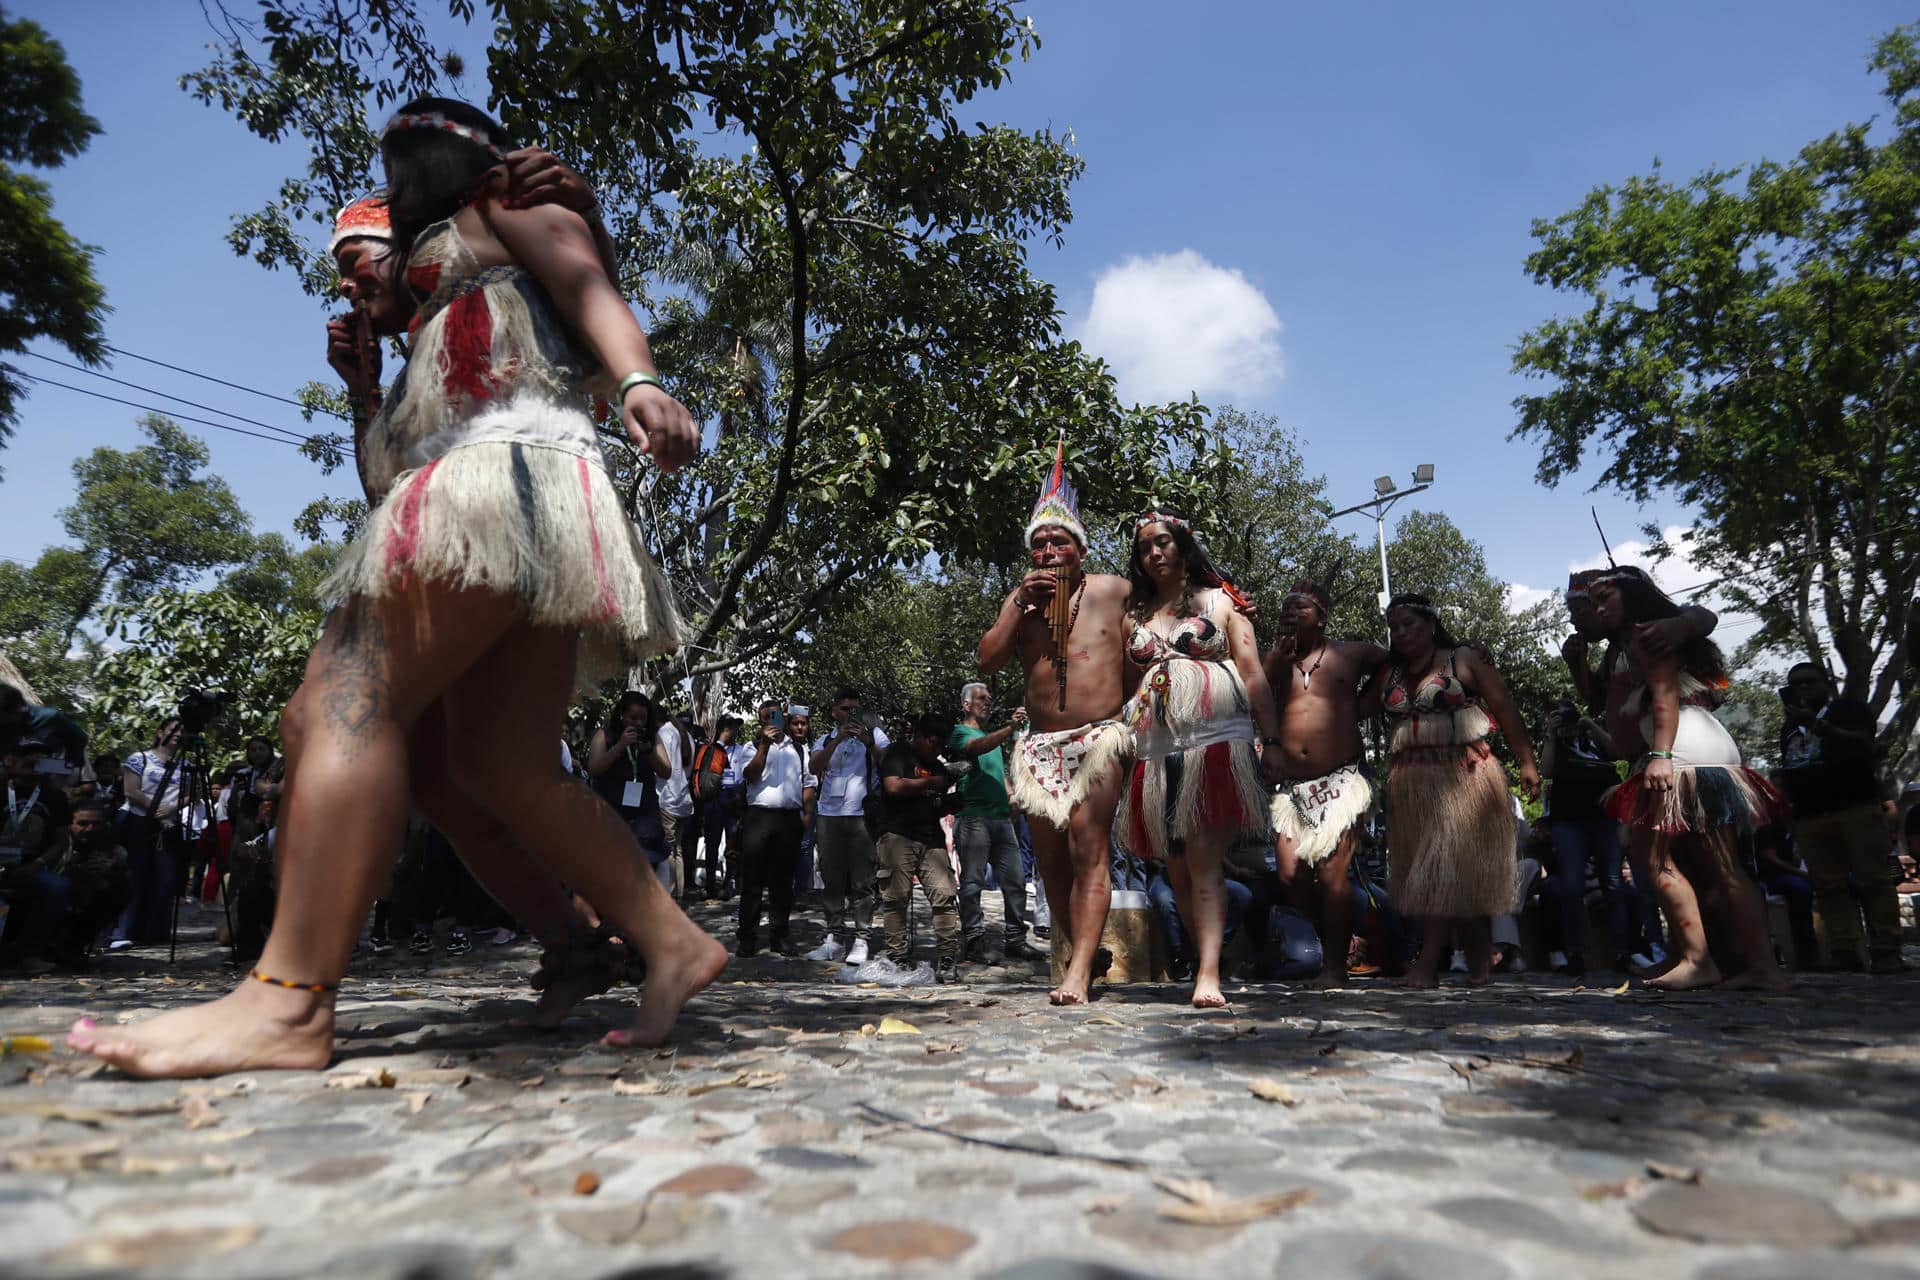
(1629,911)
(989,844)
(151,875)
(1161,898)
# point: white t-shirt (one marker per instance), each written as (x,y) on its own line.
(151,768)
(739,756)
(676,795)
(843,787)
(782,779)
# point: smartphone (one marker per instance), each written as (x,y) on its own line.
(777,721)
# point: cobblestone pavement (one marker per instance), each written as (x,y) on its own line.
(799,1127)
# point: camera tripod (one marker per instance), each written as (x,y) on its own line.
(196,794)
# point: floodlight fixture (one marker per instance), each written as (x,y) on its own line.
(1383,485)
(1423,474)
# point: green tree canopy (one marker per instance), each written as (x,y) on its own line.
(1748,344)
(47,289)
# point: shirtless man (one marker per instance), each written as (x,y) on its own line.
(1067,773)
(1318,810)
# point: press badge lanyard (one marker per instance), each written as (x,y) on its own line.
(635,793)
(15,809)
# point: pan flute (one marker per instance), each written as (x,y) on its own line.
(1059,623)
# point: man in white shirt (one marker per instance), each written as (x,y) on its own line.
(676,797)
(847,763)
(777,783)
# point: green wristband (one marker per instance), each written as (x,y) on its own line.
(1659,755)
(633,380)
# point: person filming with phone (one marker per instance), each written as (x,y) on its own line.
(847,763)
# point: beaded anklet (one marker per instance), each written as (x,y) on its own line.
(318,988)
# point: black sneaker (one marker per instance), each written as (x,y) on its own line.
(946,969)
(380,946)
(421,943)
(1020,949)
(458,943)
(746,947)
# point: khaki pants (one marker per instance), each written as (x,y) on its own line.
(900,860)
(1852,841)
(846,855)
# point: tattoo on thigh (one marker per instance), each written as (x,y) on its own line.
(354,693)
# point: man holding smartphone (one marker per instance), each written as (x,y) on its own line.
(847,764)
(777,782)
(1826,753)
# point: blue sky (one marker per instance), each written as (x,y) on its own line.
(1319,211)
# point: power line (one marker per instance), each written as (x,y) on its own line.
(222,426)
(255,391)
(297,436)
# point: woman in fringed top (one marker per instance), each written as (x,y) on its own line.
(496,564)
(1690,795)
(1450,815)
(1198,783)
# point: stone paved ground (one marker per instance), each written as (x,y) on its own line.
(1536,1129)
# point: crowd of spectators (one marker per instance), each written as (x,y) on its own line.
(102,852)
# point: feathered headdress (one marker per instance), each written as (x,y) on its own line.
(367,218)
(1580,580)
(1058,503)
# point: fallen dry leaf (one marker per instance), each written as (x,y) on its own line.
(1619,1190)
(1192,1190)
(868,1029)
(1268,1090)
(1673,1172)
(1069,1102)
(417,1102)
(1234,1213)
(1463,1072)
(745,1080)
(640,1088)
(586,1184)
(381,1079)
(1103,1020)
(892,1026)
(943,1046)
(200,1113)
(1328,1050)
(1619,990)
(1109,1203)
(533,1082)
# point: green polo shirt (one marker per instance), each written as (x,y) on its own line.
(983,792)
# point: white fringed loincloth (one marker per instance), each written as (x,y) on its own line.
(518,501)
(1052,772)
(1314,813)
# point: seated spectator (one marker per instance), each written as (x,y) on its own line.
(58,894)
(1781,874)
(106,777)
(915,782)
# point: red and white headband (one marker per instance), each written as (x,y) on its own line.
(436,120)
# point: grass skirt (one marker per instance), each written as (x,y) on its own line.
(1171,798)
(1051,773)
(1450,834)
(1704,798)
(536,521)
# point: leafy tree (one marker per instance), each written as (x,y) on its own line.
(279,578)
(897,374)
(41,606)
(48,290)
(1754,716)
(173,641)
(1747,344)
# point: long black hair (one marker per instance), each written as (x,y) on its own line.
(1193,557)
(433,173)
(1442,638)
(1642,600)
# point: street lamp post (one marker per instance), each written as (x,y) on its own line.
(1384,496)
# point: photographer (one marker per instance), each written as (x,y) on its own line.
(983,834)
(1826,753)
(916,783)
(148,827)
(844,761)
(626,761)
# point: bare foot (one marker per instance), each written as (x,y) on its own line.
(1687,975)
(681,976)
(1068,992)
(1206,995)
(256,1027)
(1420,979)
(1327,979)
(1650,972)
(1758,980)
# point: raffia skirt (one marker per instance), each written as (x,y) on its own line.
(1450,832)
(520,503)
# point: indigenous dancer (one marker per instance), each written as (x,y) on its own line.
(1067,773)
(1690,795)
(497,554)
(1450,834)
(1326,792)
(1604,693)
(1196,785)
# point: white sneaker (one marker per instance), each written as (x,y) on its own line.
(120,944)
(1642,960)
(857,953)
(1459,963)
(1556,960)
(828,950)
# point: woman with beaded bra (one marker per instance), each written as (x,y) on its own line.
(1690,795)
(496,563)
(1450,843)
(1198,782)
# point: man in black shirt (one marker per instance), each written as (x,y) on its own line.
(1826,753)
(913,779)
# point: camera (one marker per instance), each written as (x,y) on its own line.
(200,708)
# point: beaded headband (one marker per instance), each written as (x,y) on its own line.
(435,120)
(1159,517)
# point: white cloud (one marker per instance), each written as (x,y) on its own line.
(1521,597)
(1175,324)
